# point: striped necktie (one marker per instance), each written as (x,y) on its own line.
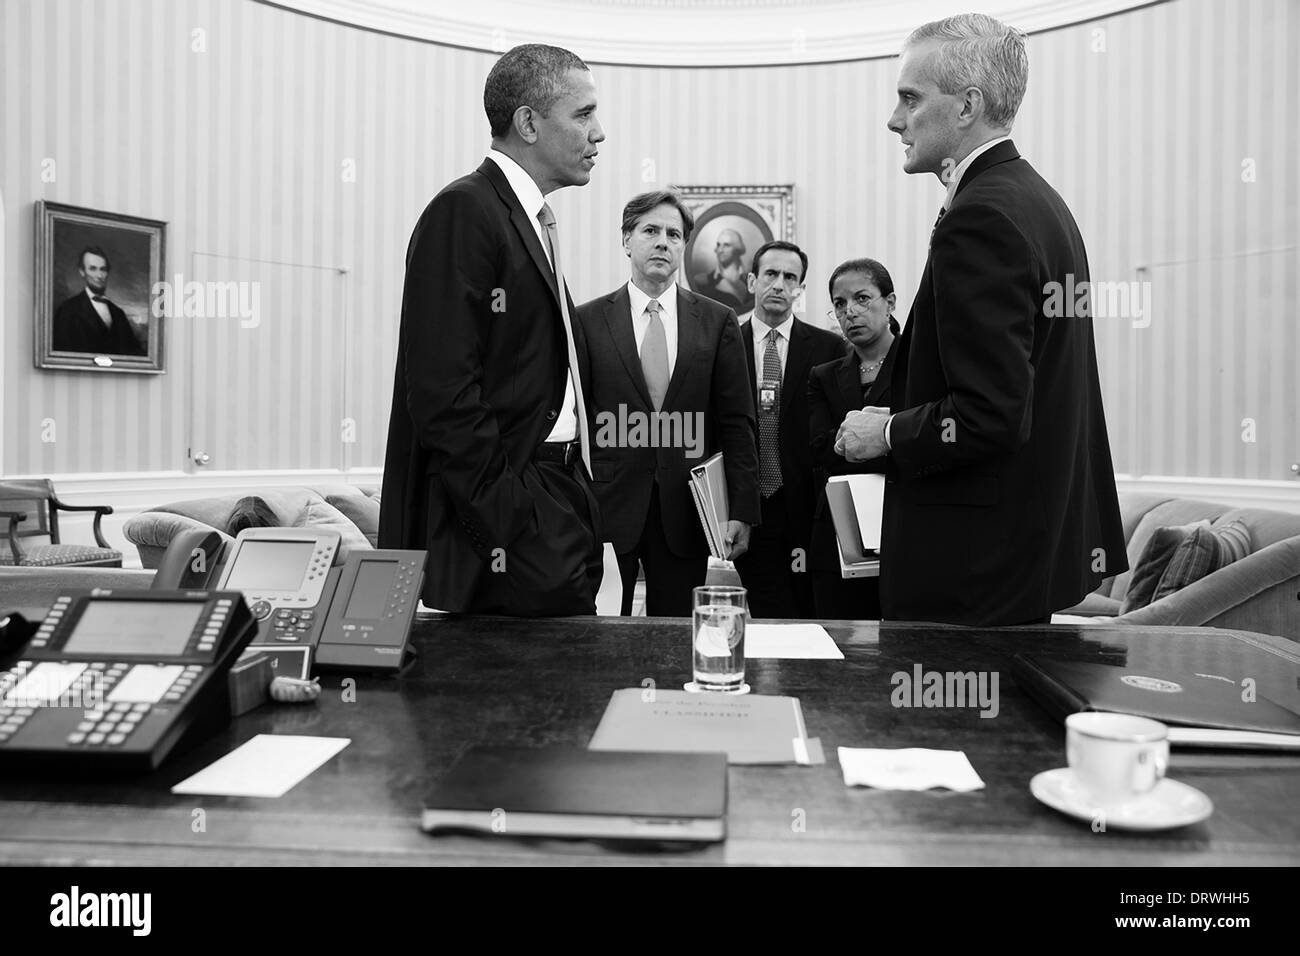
(769,454)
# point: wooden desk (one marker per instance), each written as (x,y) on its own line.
(543,682)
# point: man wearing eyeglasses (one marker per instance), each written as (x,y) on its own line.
(782,351)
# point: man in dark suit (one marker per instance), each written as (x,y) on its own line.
(1001,507)
(780,351)
(488,440)
(663,371)
(88,321)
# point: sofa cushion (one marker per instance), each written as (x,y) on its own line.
(1094,605)
(1150,567)
(1202,552)
(362,511)
(319,513)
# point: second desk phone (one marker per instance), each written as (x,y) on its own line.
(310,611)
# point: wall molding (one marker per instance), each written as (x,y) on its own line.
(668,33)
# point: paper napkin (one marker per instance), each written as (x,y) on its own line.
(913,768)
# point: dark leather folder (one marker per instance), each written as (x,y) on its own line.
(1203,710)
(569,792)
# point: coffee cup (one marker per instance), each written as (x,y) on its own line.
(1116,757)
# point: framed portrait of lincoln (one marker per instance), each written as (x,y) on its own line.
(95,276)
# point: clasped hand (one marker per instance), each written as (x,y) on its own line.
(862,434)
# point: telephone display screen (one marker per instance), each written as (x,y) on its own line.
(374,581)
(134,628)
(263,565)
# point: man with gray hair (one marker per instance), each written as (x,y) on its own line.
(488,459)
(1000,502)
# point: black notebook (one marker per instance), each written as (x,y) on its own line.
(1203,710)
(568,792)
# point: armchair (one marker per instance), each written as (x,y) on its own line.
(32,503)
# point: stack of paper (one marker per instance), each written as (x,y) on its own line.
(709,489)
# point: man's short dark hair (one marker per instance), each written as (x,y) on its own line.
(783,246)
(528,75)
(638,206)
(870,268)
(94,251)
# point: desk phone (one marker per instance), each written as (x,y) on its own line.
(118,679)
(311,611)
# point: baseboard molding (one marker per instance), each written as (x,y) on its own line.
(131,493)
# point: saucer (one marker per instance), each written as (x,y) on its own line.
(694,688)
(1169,803)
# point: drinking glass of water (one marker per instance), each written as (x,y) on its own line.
(718,639)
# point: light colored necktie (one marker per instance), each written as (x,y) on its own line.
(769,454)
(549,230)
(654,356)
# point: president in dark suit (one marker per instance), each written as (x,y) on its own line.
(488,441)
(780,351)
(1001,507)
(89,321)
(664,374)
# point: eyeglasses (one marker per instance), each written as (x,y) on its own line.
(860,302)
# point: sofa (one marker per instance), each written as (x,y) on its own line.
(1260,592)
(351,510)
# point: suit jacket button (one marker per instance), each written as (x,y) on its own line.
(552,415)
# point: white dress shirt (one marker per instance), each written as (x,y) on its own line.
(530,197)
(667,315)
(760,330)
(101,308)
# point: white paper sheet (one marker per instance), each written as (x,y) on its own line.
(269,765)
(803,642)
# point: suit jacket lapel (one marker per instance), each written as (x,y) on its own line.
(796,365)
(618,319)
(690,342)
(523,225)
(1001,153)
(747,338)
(848,381)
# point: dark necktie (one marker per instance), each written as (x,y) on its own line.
(769,455)
(98,298)
(549,230)
(654,356)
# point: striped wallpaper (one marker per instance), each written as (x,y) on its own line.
(298,153)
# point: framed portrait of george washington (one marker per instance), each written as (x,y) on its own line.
(95,276)
(731,222)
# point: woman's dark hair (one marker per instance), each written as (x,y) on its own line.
(878,274)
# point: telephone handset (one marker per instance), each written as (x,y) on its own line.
(357,615)
(192,561)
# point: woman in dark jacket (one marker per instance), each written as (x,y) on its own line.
(862,296)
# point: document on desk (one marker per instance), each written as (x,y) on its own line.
(269,765)
(791,642)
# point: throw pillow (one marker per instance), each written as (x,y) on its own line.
(250,512)
(362,511)
(1151,565)
(1205,551)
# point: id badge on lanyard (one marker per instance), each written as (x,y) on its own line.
(767,392)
